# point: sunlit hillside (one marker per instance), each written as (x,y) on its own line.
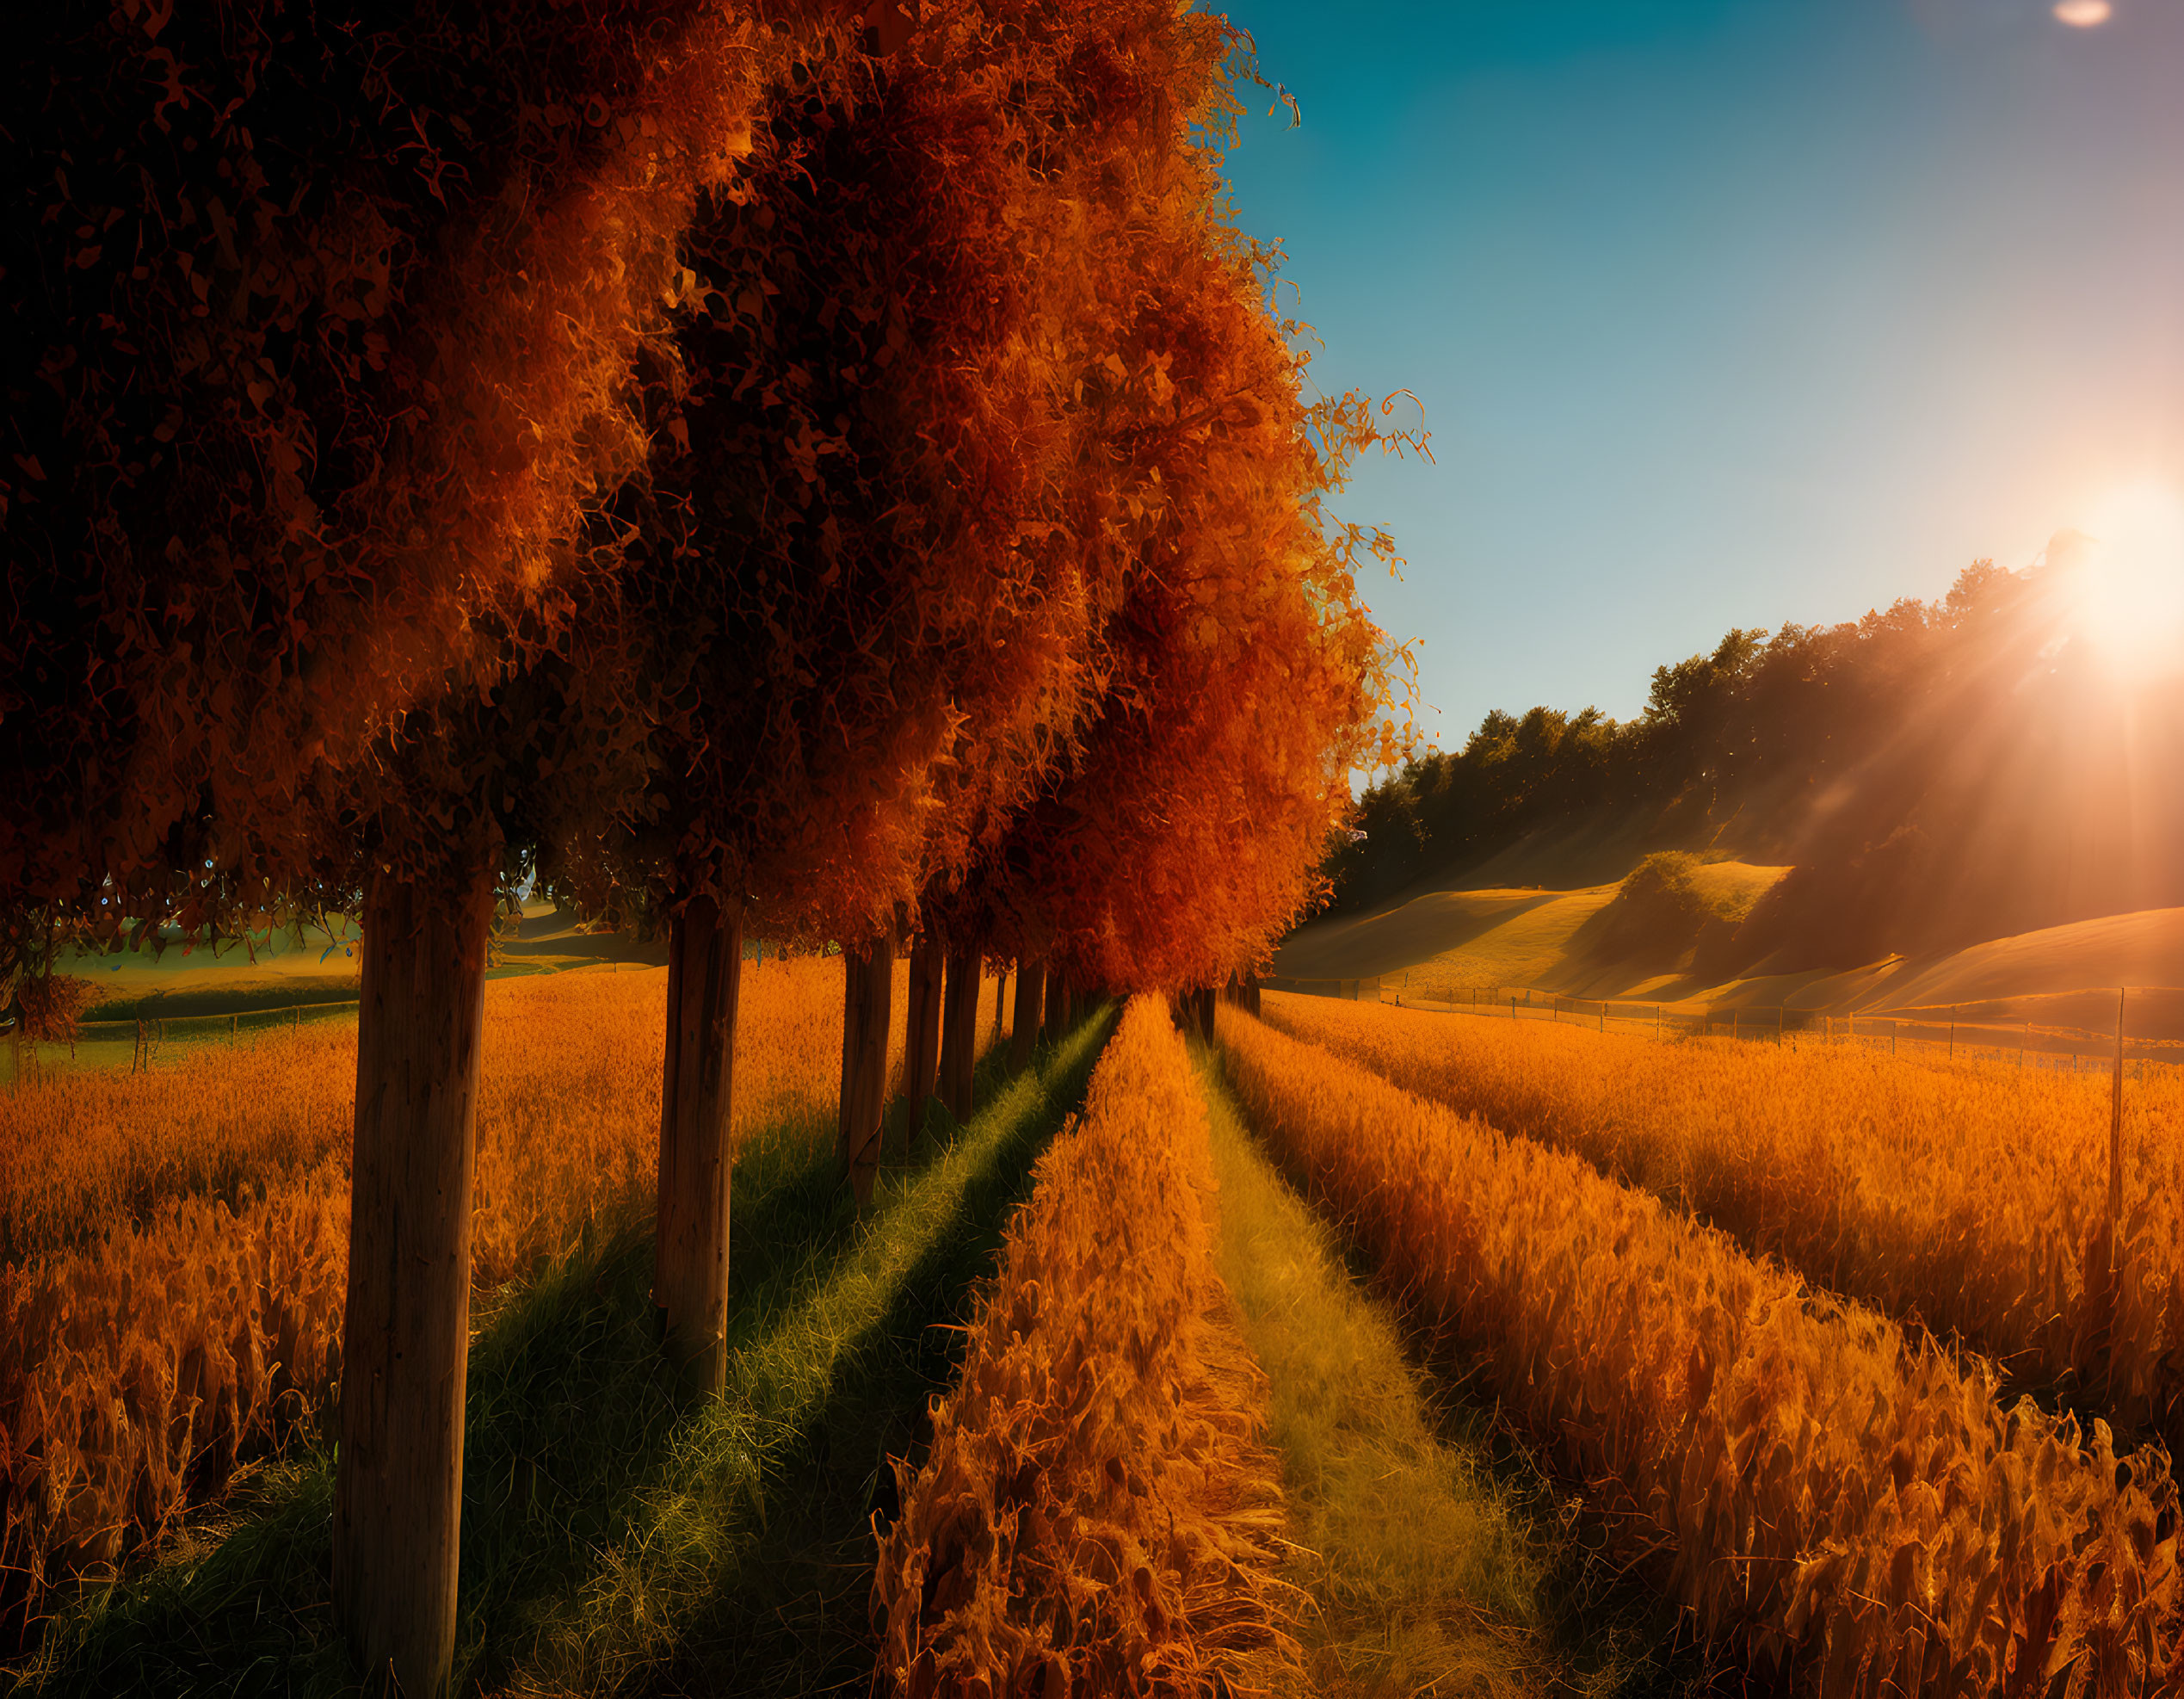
(1501,934)
(1447,946)
(1946,805)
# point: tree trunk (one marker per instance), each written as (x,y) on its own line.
(697,1097)
(923,1054)
(959,1046)
(1000,1006)
(868,989)
(405,1331)
(1030,982)
(1058,1004)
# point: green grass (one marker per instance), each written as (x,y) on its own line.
(1442,1560)
(1424,1567)
(617,1536)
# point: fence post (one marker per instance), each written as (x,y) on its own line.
(2115,1144)
(1736,1024)
(1952,1041)
(1513,1013)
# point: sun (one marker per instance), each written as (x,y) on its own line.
(2129,598)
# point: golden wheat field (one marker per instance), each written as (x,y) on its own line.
(1850,1500)
(1098,1513)
(172,1300)
(1967,1194)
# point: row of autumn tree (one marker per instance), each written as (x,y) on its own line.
(745,465)
(1938,773)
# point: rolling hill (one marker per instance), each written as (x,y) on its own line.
(1439,945)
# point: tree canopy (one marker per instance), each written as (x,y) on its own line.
(320,328)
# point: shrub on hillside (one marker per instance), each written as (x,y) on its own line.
(1659,911)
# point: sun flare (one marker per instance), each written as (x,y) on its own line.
(2129,597)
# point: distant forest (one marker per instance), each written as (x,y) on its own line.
(1939,773)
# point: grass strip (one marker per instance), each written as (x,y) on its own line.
(1439,1558)
(1427,1575)
(616,1538)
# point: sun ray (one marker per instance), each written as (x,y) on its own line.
(2127,600)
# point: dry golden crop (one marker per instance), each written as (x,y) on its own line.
(138,1374)
(1849,1499)
(86,1151)
(1097,1514)
(1968,1194)
(175,1297)
(571,1064)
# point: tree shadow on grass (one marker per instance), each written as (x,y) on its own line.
(617,1535)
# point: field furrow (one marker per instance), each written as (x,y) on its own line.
(1098,1512)
(1969,1195)
(1846,1500)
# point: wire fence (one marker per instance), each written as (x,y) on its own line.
(139,1041)
(2024,1043)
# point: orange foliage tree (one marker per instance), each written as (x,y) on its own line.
(870,602)
(1243,675)
(319,352)
(827,570)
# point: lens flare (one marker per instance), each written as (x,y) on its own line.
(2083,14)
(2130,591)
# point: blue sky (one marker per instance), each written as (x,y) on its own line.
(1722,313)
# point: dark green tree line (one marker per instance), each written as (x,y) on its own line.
(1936,773)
